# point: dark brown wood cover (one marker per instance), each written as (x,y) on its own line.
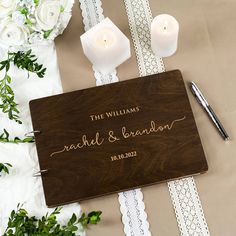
(116,137)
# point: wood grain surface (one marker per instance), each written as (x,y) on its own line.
(141,154)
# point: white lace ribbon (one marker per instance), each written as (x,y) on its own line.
(188,208)
(184,195)
(132,206)
(133,212)
(140,18)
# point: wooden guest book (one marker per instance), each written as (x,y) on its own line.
(116,137)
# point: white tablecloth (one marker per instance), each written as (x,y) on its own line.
(20,186)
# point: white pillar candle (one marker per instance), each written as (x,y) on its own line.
(164,35)
(105,46)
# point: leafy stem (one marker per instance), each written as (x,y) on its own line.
(22,60)
(20,223)
(4,138)
(27,61)
(7,95)
(4,167)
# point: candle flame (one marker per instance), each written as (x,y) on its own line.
(165,26)
(105,41)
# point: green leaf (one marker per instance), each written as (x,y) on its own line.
(4,167)
(23,60)
(10,91)
(6,133)
(72,220)
(8,78)
(2,65)
(36,2)
(28,140)
(20,224)
(47,33)
(62,9)
(94,217)
(5,138)
(74,228)
(24,11)
(8,164)
(7,66)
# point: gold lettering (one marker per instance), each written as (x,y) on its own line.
(58,152)
(122,112)
(109,114)
(98,141)
(112,138)
(132,110)
(97,117)
(85,143)
(153,129)
(114,158)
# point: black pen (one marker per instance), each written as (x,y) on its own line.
(203,102)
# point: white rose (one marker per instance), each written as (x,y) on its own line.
(47,14)
(12,34)
(6,7)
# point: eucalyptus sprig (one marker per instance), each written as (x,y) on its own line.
(5,138)
(22,60)
(27,61)
(4,168)
(20,223)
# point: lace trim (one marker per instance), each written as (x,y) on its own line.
(105,79)
(188,208)
(184,195)
(131,203)
(140,18)
(132,206)
(92,14)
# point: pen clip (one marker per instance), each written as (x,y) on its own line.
(198,95)
(195,95)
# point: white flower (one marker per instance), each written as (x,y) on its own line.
(36,38)
(12,34)
(47,14)
(18,18)
(29,21)
(6,7)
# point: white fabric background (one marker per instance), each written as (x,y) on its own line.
(20,186)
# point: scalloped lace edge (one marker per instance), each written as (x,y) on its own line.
(131,203)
